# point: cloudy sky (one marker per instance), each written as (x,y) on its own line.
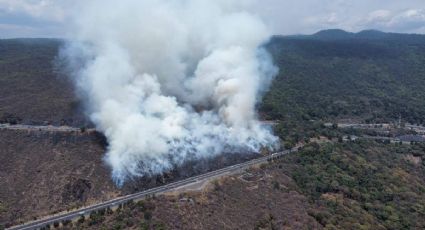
(49,18)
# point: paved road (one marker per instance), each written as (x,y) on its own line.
(141,195)
(68,129)
(45,128)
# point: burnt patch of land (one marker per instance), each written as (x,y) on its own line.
(188,169)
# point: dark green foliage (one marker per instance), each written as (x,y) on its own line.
(266,223)
(66,222)
(81,219)
(144,226)
(109,211)
(147,215)
(292,131)
(276,185)
(362,184)
(141,206)
(367,77)
(130,204)
(117,226)
(127,216)
(96,218)
(160,226)
(372,76)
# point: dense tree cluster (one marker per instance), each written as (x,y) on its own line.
(362,185)
(373,76)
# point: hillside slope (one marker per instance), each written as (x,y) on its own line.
(370,76)
(361,185)
(44,173)
(31,90)
(330,76)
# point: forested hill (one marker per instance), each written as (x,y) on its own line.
(369,76)
(370,35)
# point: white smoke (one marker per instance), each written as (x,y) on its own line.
(171,80)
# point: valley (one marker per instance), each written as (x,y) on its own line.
(354,102)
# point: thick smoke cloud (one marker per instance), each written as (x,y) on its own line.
(171,80)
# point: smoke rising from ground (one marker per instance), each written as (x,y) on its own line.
(171,80)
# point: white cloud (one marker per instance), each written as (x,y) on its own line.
(39,9)
(410,20)
(309,16)
(286,17)
(379,16)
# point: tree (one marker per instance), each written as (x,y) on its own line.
(81,219)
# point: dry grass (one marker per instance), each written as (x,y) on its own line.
(44,173)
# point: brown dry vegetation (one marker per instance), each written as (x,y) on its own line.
(262,198)
(343,186)
(357,185)
(265,200)
(31,90)
(43,173)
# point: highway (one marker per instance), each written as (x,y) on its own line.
(68,129)
(141,195)
(43,128)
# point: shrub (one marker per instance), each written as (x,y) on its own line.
(147,215)
(81,219)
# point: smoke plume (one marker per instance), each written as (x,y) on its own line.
(171,80)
